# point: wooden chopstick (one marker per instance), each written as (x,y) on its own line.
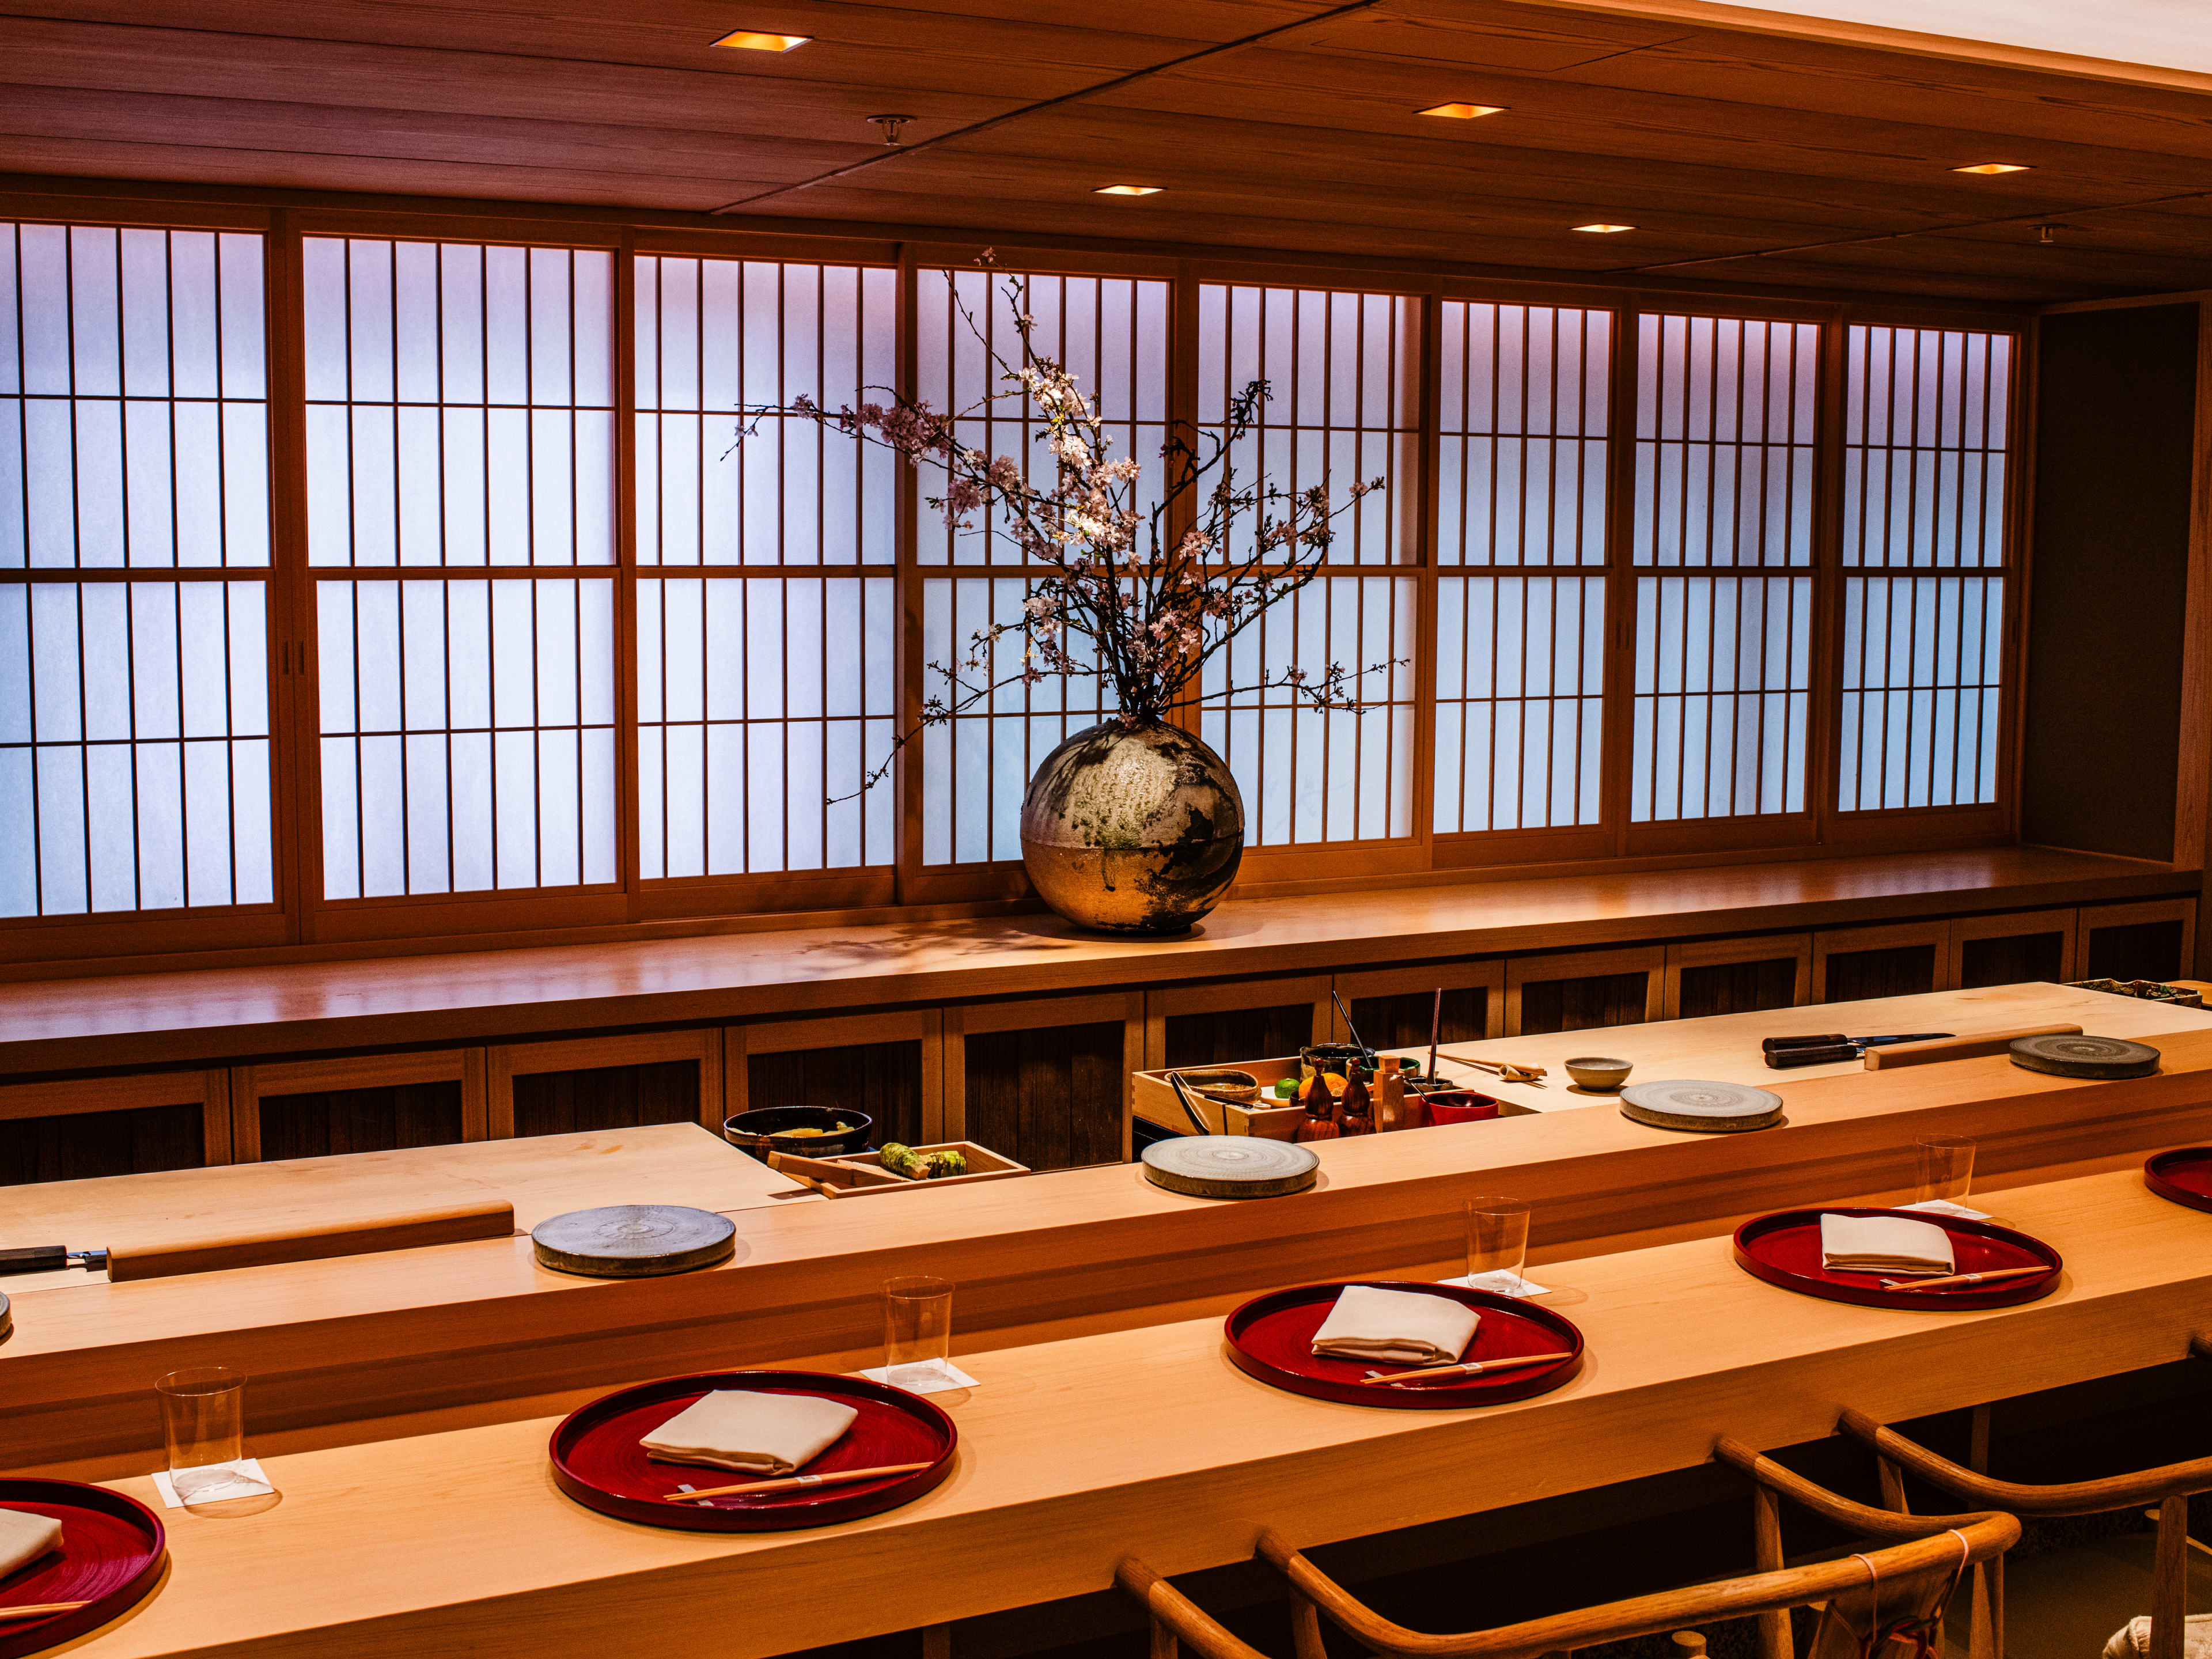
(41,1609)
(1504,1068)
(791,1482)
(1958,1278)
(1465,1368)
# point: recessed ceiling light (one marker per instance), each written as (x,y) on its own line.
(1463,112)
(1604,230)
(746,40)
(1127,190)
(1995,166)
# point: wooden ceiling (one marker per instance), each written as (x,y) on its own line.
(1280,124)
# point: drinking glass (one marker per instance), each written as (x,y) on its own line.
(1496,1235)
(917,1329)
(1947,1168)
(203,1415)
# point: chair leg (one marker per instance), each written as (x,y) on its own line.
(1986,1611)
(1893,1486)
(1766,1555)
(2169,1579)
(1164,1645)
(1305,1629)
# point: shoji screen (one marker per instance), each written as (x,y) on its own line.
(1343,374)
(134,561)
(1522,504)
(1725,498)
(1926,424)
(460,489)
(1111,333)
(766,691)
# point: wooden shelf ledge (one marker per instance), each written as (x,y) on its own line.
(191,1018)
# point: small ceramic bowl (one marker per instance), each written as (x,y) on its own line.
(1599,1072)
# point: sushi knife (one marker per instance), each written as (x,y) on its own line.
(50,1257)
(1782,1053)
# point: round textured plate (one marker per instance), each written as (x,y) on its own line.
(1231,1166)
(634,1240)
(7,1319)
(2085,1056)
(597,1462)
(2184,1175)
(1784,1248)
(110,1558)
(1271,1338)
(1702,1107)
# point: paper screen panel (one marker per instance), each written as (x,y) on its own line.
(1520,718)
(459,404)
(1926,414)
(720,482)
(1522,456)
(468,734)
(764,703)
(1722,696)
(1921,668)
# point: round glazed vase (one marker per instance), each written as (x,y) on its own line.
(1132,829)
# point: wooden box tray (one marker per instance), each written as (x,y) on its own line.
(858,1174)
(1153,1097)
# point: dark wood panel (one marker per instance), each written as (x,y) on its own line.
(83,1144)
(2012,959)
(882,1079)
(1738,987)
(2139,949)
(1403,1021)
(1050,1098)
(606,1097)
(361,1120)
(1581,1005)
(1235,1034)
(1900,971)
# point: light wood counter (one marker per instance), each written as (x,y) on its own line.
(1039,1257)
(181,1018)
(457,1543)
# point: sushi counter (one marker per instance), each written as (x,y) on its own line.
(446,1479)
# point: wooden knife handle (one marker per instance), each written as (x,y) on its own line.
(313,1242)
(1782,1059)
(1959,1048)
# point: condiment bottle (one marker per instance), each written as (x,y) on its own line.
(1319,1123)
(1354,1110)
(1389,1097)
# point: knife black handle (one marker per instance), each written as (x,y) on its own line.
(1826,1040)
(1782,1059)
(34,1258)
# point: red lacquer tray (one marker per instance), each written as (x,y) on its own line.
(597,1462)
(113,1548)
(1784,1248)
(1270,1337)
(2184,1175)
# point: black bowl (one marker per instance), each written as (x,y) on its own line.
(746,1129)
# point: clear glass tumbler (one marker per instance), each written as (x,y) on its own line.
(917,1329)
(1946,1168)
(1496,1235)
(203,1415)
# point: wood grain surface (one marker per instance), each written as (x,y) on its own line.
(177,1018)
(457,1542)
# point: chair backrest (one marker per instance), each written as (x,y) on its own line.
(1919,1559)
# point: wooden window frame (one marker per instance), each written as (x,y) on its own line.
(1724,952)
(1649,960)
(302,920)
(784,1036)
(250,1084)
(504,1062)
(2021,924)
(962,1021)
(84,1097)
(1846,941)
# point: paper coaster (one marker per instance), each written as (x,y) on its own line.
(1500,1283)
(1945,1207)
(211,1483)
(932,1377)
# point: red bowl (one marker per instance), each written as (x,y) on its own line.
(1459,1106)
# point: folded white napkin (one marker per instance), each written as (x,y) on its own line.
(1367,1323)
(2134,1638)
(759,1434)
(1883,1244)
(24,1537)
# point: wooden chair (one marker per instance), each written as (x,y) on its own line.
(2168,1486)
(1916,1561)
